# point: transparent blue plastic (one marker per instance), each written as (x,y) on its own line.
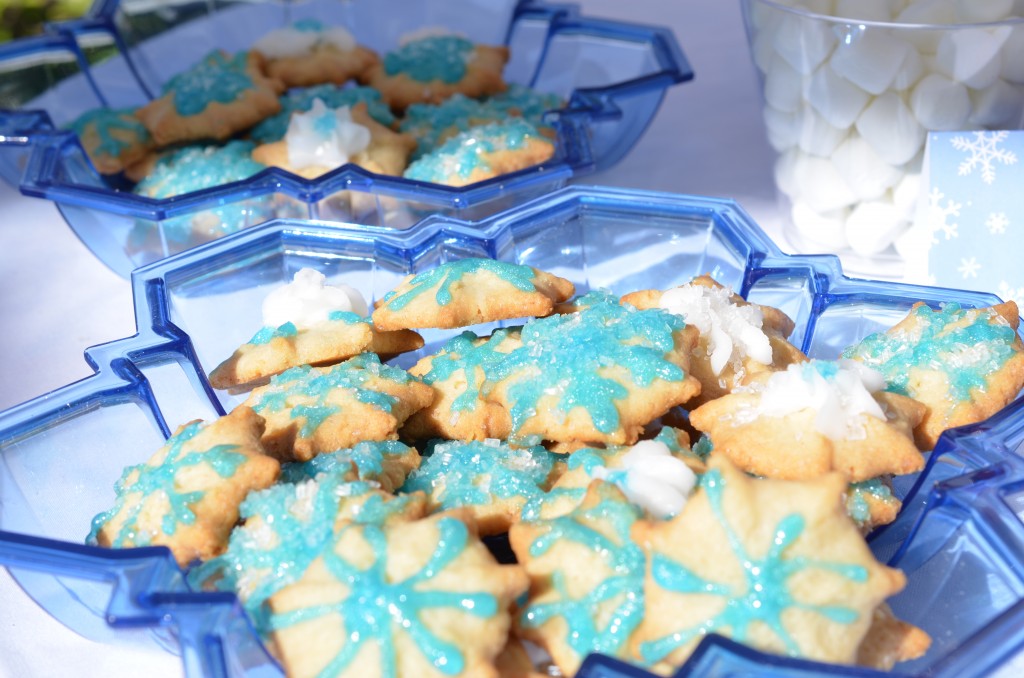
(613,76)
(959,537)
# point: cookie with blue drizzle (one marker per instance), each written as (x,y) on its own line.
(309,53)
(871,503)
(777,565)
(596,376)
(301,100)
(220,95)
(483,152)
(312,410)
(186,496)
(586,579)
(469,292)
(456,373)
(963,364)
(738,339)
(431,69)
(498,483)
(272,350)
(424,598)
(386,463)
(113,138)
(812,418)
(286,526)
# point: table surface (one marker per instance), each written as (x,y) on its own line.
(56,299)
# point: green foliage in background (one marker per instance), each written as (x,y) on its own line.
(19,18)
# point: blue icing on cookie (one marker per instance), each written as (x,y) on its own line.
(562,355)
(378,606)
(856,498)
(266,334)
(105,122)
(764,595)
(938,344)
(524,101)
(308,25)
(299,101)
(447,274)
(429,122)
(161,479)
(703,447)
(473,473)
(198,167)
(442,57)
(583,616)
(217,78)
(460,354)
(467,151)
(353,374)
(368,458)
(295,522)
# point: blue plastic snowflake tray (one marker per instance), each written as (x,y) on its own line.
(612,74)
(959,537)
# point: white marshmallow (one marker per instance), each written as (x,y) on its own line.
(820,185)
(1000,106)
(863,170)
(804,43)
(872,226)
(1013,57)
(783,128)
(906,193)
(889,126)
(940,104)
(825,231)
(785,171)
(864,10)
(910,74)
(836,99)
(783,86)
(983,11)
(870,58)
(927,12)
(817,136)
(971,55)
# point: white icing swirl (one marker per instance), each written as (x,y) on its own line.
(292,42)
(426,32)
(308,300)
(839,392)
(652,478)
(733,331)
(324,137)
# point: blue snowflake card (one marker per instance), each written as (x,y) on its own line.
(970,217)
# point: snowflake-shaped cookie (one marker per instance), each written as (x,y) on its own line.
(595,376)
(586,575)
(186,496)
(774,564)
(468,292)
(424,598)
(311,410)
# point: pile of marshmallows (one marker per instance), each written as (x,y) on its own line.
(848,105)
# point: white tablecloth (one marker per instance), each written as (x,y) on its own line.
(56,299)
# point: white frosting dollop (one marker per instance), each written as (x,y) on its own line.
(292,42)
(840,392)
(652,478)
(308,300)
(324,137)
(426,32)
(732,331)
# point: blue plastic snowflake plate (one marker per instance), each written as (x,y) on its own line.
(613,76)
(959,538)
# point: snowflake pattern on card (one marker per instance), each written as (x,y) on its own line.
(969,227)
(984,153)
